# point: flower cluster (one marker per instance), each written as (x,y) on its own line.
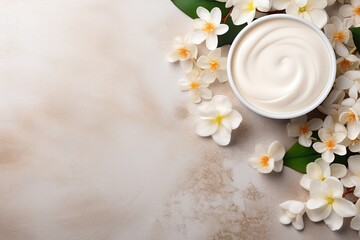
(217,118)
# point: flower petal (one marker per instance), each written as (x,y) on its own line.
(233,118)
(355,223)
(222,136)
(354,164)
(338,170)
(276,150)
(335,186)
(298,222)
(315,124)
(215,15)
(278,165)
(344,208)
(212,41)
(203,13)
(334,221)
(316,214)
(221,29)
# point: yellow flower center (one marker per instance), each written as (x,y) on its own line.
(251,6)
(302,9)
(357,11)
(323,179)
(218,119)
(330,200)
(351,117)
(208,28)
(183,52)
(304,129)
(264,161)
(194,85)
(345,64)
(339,36)
(214,65)
(330,144)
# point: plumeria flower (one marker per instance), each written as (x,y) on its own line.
(197,85)
(355,222)
(228,3)
(184,51)
(218,119)
(352,178)
(347,61)
(207,27)
(268,159)
(300,127)
(353,145)
(244,10)
(350,117)
(331,143)
(293,212)
(327,203)
(351,11)
(321,170)
(311,10)
(337,33)
(349,81)
(332,103)
(214,66)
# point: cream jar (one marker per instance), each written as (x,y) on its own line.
(281,66)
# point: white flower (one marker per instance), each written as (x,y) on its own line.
(327,203)
(228,3)
(347,61)
(244,10)
(350,117)
(330,143)
(320,170)
(217,119)
(355,222)
(207,27)
(293,212)
(331,104)
(299,127)
(197,85)
(311,10)
(349,81)
(184,51)
(352,178)
(214,66)
(268,159)
(352,11)
(353,145)
(337,33)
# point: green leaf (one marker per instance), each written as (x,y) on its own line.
(298,157)
(189,8)
(356,36)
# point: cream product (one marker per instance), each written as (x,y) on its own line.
(281,66)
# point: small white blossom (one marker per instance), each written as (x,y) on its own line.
(350,117)
(355,222)
(353,145)
(327,203)
(349,81)
(244,10)
(293,212)
(197,85)
(352,178)
(320,170)
(300,127)
(352,12)
(311,10)
(331,143)
(184,51)
(347,61)
(337,33)
(207,27)
(332,103)
(218,119)
(214,66)
(268,159)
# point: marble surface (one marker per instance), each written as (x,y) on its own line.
(98,143)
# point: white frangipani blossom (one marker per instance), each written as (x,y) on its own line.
(355,222)
(352,178)
(321,170)
(347,61)
(332,103)
(300,127)
(268,159)
(350,117)
(327,203)
(311,10)
(351,11)
(214,66)
(244,10)
(184,51)
(218,119)
(293,212)
(337,33)
(197,85)
(207,27)
(353,145)
(331,143)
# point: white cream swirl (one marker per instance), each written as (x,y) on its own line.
(281,66)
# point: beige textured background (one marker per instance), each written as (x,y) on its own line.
(98,143)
